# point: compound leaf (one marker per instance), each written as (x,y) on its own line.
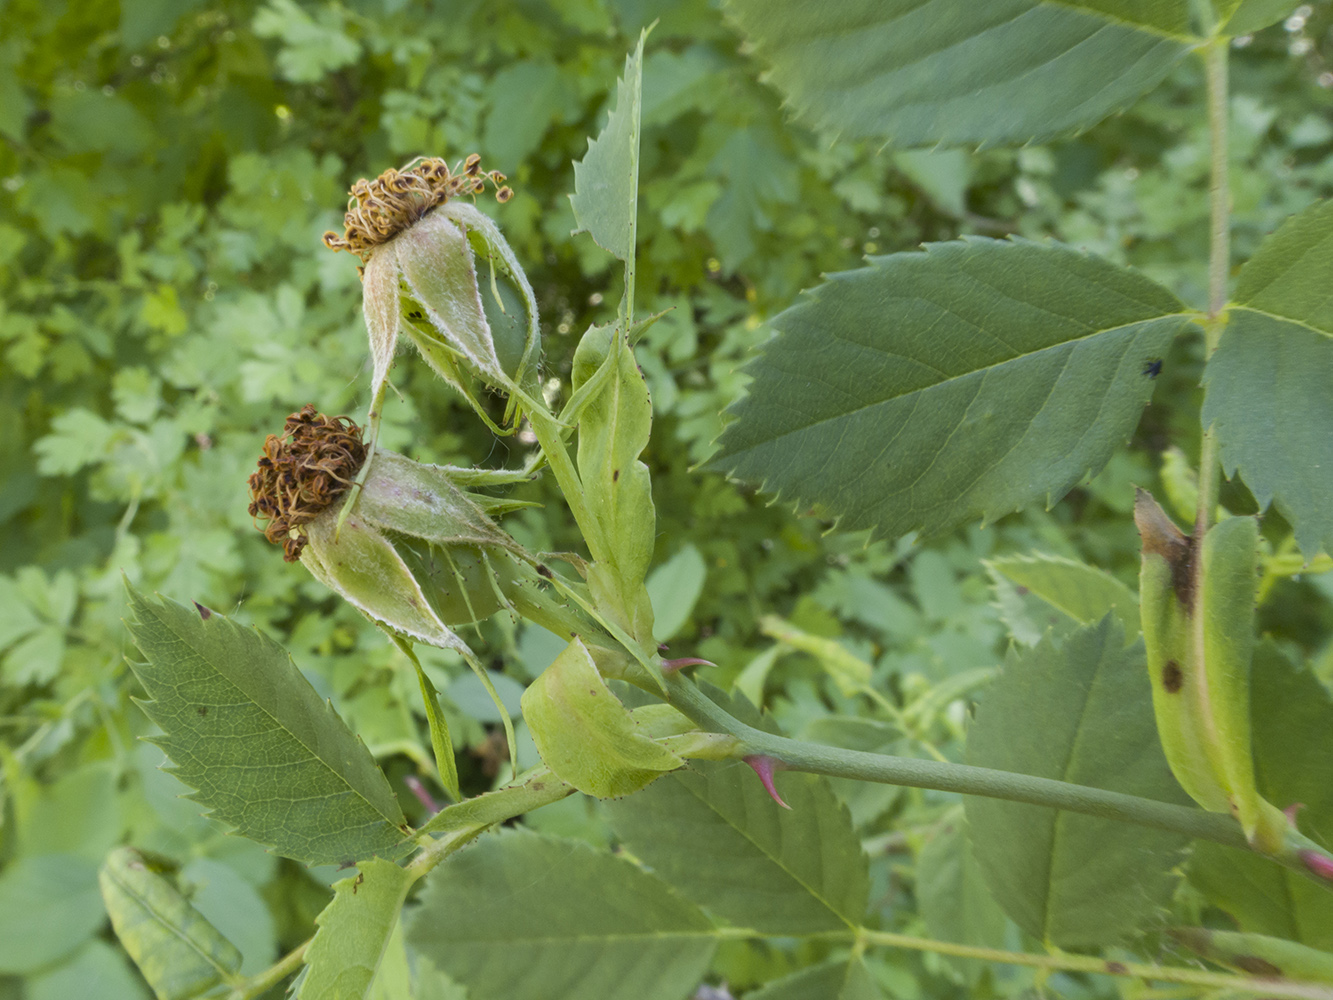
(929,389)
(923,72)
(714,833)
(526,917)
(262,750)
(1081,712)
(1039,591)
(1267,384)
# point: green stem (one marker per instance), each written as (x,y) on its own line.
(966,779)
(1081,963)
(261,983)
(1219,263)
(547,430)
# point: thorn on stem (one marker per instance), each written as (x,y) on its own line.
(764,766)
(1292,810)
(1318,863)
(415,786)
(685,661)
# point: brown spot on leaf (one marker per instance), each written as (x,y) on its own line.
(204,613)
(1172,677)
(202,709)
(615,475)
(1117,968)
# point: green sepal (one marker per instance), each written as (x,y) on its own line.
(585,735)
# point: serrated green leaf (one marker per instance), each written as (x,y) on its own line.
(583,732)
(954,901)
(49,906)
(606,180)
(1291,717)
(525,917)
(264,752)
(848,980)
(178,951)
(1080,712)
(714,833)
(956,71)
(929,389)
(354,930)
(1267,383)
(1082,594)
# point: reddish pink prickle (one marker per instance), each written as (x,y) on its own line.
(1320,864)
(415,786)
(764,766)
(1291,811)
(685,661)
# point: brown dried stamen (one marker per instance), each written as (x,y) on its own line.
(302,472)
(379,210)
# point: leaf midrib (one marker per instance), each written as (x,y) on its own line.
(775,860)
(184,640)
(871,404)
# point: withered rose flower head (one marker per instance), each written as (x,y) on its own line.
(302,472)
(393,201)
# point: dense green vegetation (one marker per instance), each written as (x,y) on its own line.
(166,173)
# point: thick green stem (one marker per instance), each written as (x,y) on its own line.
(1219,263)
(949,777)
(1080,963)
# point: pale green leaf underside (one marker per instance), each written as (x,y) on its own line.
(1078,712)
(922,72)
(264,752)
(715,835)
(606,180)
(179,952)
(1069,590)
(1251,15)
(525,917)
(929,389)
(353,932)
(1267,385)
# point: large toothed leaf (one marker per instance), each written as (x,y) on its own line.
(1268,383)
(262,750)
(1080,711)
(929,389)
(606,180)
(921,72)
(525,917)
(178,951)
(354,931)
(715,834)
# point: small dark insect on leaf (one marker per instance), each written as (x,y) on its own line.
(204,612)
(1153,368)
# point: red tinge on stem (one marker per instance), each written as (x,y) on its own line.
(1320,864)
(764,766)
(685,661)
(419,790)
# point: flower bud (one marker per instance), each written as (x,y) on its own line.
(419,251)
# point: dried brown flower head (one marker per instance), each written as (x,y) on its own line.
(379,210)
(302,472)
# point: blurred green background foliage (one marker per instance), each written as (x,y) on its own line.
(166,170)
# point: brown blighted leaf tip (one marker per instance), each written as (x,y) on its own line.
(379,210)
(301,472)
